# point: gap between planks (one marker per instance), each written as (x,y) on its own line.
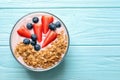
(57,7)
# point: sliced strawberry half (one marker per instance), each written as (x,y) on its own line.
(46,20)
(51,36)
(38,31)
(50,19)
(22,31)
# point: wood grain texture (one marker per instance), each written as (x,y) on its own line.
(94,28)
(58,3)
(85,63)
(86,26)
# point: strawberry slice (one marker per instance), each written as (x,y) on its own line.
(46,20)
(22,31)
(38,31)
(50,18)
(51,36)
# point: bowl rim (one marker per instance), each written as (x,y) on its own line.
(33,69)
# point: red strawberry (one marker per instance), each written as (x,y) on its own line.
(46,20)
(50,19)
(38,31)
(51,36)
(22,31)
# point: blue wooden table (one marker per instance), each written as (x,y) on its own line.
(94,28)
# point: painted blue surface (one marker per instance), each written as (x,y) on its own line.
(94,28)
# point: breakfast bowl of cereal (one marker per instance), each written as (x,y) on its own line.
(39,41)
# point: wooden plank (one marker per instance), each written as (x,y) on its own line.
(85,26)
(85,63)
(58,3)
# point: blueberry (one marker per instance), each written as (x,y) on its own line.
(29,26)
(33,37)
(33,43)
(52,26)
(26,41)
(35,19)
(58,24)
(37,47)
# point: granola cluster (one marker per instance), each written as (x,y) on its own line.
(44,58)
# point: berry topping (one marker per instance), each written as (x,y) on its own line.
(26,41)
(58,24)
(33,37)
(51,36)
(38,31)
(22,31)
(33,43)
(37,47)
(52,26)
(46,20)
(35,19)
(29,26)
